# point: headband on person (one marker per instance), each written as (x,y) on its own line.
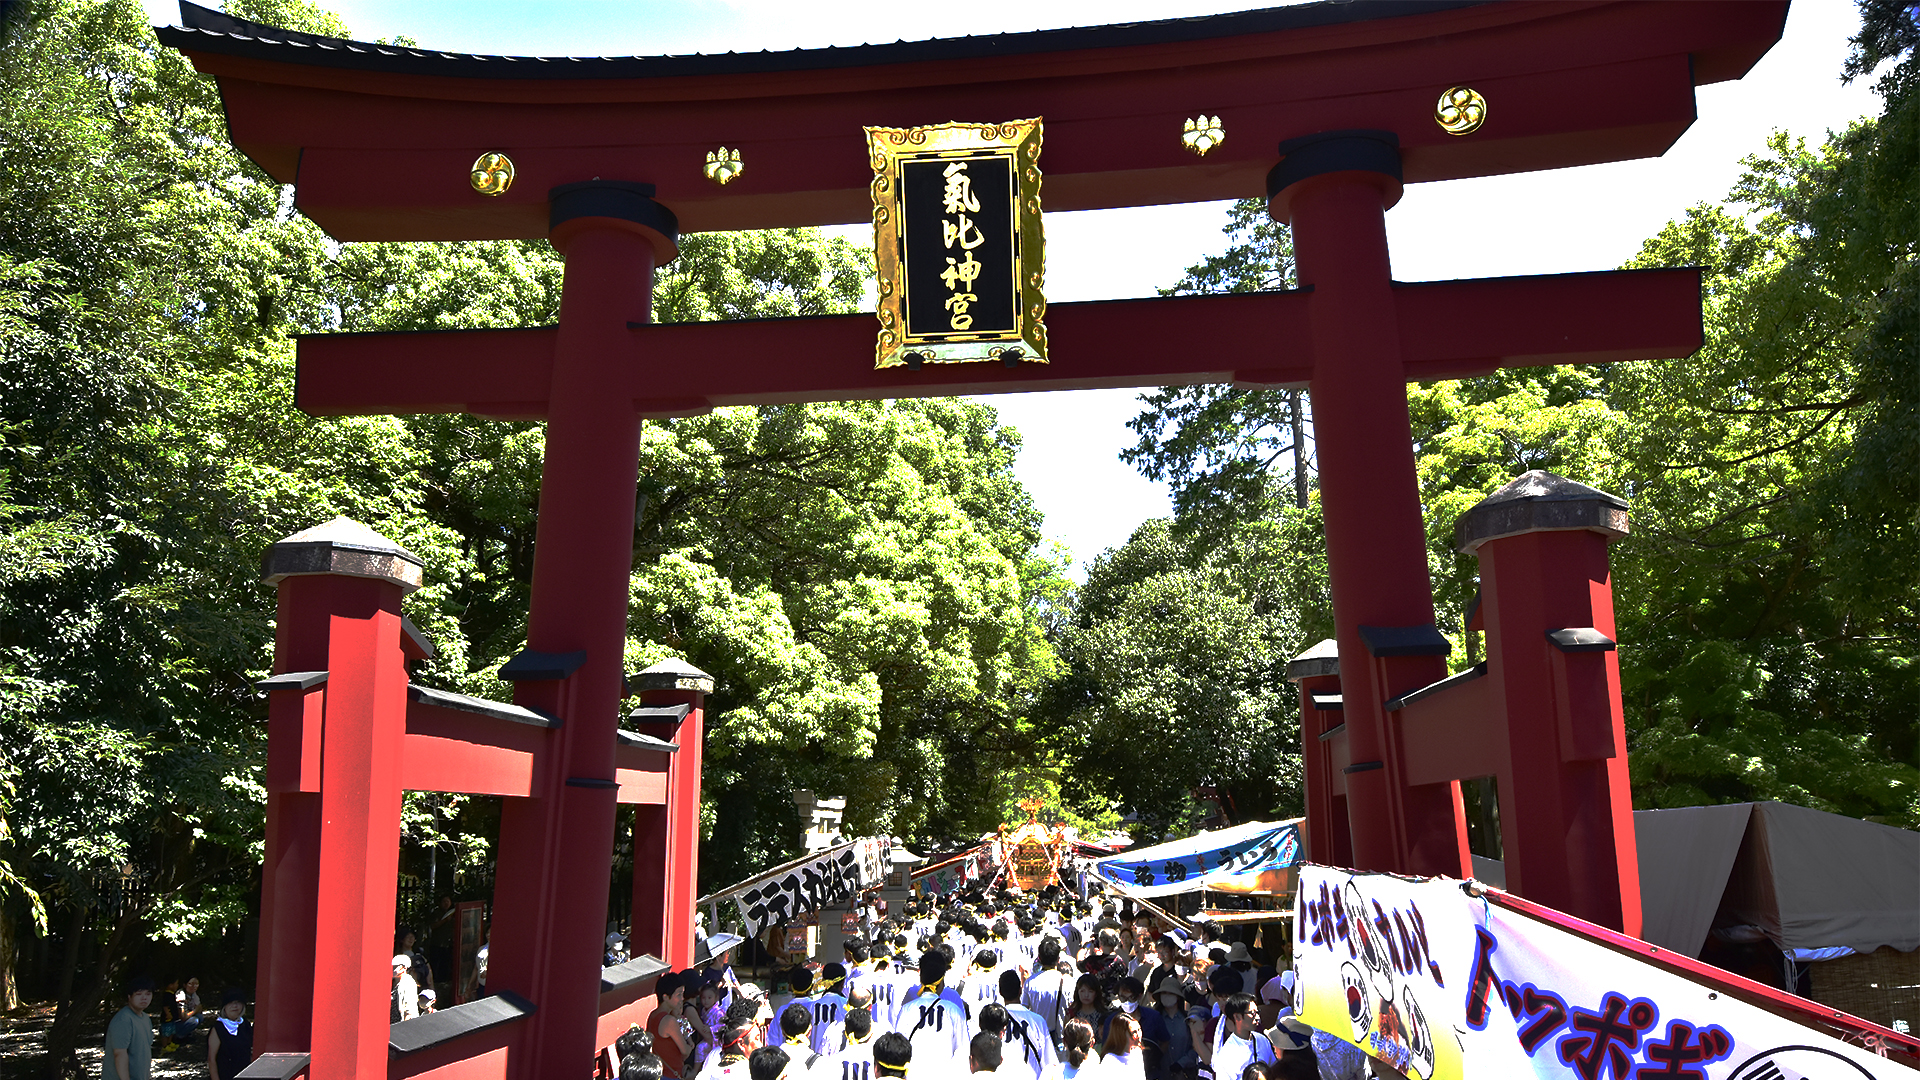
(885,1069)
(825,985)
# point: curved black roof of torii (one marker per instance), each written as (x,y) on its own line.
(206,30)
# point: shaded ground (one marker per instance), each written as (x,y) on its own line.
(21,1032)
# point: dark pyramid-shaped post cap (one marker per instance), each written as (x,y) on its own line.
(671,674)
(342,546)
(1322,659)
(1539,501)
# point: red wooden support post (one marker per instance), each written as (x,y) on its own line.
(1547,599)
(1334,189)
(1323,753)
(327,901)
(555,867)
(666,839)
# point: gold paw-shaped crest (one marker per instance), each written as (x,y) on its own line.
(492,174)
(1202,134)
(1461,110)
(723,165)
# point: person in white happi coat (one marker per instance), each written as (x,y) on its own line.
(934,1023)
(1025,1040)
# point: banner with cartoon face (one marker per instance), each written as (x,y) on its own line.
(1442,985)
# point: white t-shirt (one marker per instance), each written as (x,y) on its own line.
(1026,1048)
(1232,1056)
(936,1026)
(736,1070)
(1128,1066)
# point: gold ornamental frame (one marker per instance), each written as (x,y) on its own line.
(887,149)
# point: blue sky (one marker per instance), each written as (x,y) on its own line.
(1590,218)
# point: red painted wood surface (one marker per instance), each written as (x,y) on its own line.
(1453,735)
(1447,330)
(554,870)
(1376,533)
(359,827)
(1566,817)
(471,755)
(384,156)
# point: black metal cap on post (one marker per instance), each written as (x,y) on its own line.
(1353,150)
(621,200)
(345,547)
(673,674)
(1539,501)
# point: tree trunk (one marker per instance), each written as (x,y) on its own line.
(64,1036)
(1299,449)
(9,955)
(70,960)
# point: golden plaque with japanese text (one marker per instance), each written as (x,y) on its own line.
(958,244)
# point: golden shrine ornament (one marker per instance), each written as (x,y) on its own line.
(958,243)
(1460,111)
(492,174)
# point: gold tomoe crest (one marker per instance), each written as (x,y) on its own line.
(958,243)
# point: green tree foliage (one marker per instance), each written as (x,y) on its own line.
(861,577)
(1229,453)
(1176,658)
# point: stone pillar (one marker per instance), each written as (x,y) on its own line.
(666,839)
(555,862)
(1334,189)
(338,706)
(1566,814)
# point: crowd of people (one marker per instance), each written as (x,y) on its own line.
(1025,987)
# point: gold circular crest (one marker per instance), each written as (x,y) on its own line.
(492,174)
(1461,110)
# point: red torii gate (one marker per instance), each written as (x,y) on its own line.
(608,156)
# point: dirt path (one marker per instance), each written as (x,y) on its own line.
(21,1032)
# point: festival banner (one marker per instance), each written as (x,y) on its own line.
(1250,858)
(827,880)
(1443,985)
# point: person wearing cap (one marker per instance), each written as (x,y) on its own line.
(429,1001)
(1166,965)
(1243,1044)
(672,1038)
(1241,961)
(1170,1001)
(129,1047)
(406,992)
(616,950)
(230,1039)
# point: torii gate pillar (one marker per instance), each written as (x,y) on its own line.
(1334,189)
(547,940)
